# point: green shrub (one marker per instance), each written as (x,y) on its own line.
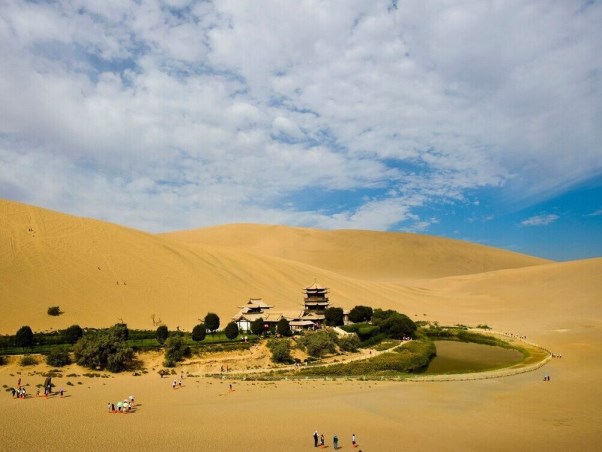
(349,343)
(54,311)
(281,350)
(175,350)
(2,360)
(58,358)
(28,360)
(319,343)
(105,349)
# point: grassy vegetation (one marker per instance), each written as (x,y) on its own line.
(411,358)
(463,335)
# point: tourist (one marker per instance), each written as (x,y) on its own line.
(353,439)
(131,400)
(173,385)
(322,440)
(316,438)
(335,441)
(109,407)
(61,392)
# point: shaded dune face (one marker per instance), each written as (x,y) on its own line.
(100,273)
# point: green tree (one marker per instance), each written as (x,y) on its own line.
(73,333)
(162,334)
(281,350)
(231,330)
(175,350)
(283,327)
(212,322)
(360,314)
(333,316)
(257,326)
(58,358)
(24,337)
(104,349)
(378,316)
(398,326)
(199,332)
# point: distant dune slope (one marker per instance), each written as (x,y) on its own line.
(557,296)
(382,256)
(99,273)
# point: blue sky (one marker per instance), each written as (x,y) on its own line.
(474,120)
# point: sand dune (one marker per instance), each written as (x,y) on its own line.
(99,273)
(381,256)
(47,258)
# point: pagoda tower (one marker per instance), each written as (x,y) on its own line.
(316,299)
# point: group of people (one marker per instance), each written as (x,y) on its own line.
(320,442)
(19,392)
(122,407)
(546,378)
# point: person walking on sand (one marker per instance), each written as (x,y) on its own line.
(335,441)
(322,440)
(316,438)
(173,385)
(353,440)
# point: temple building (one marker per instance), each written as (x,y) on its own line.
(316,299)
(311,317)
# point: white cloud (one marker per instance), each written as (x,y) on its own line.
(216,112)
(596,213)
(540,220)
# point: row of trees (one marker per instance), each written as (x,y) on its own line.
(335,316)
(25,337)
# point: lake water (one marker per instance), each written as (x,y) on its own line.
(461,357)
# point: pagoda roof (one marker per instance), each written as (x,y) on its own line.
(316,286)
(256,303)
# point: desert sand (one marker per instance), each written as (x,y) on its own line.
(47,258)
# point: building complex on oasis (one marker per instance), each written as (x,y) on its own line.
(311,317)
